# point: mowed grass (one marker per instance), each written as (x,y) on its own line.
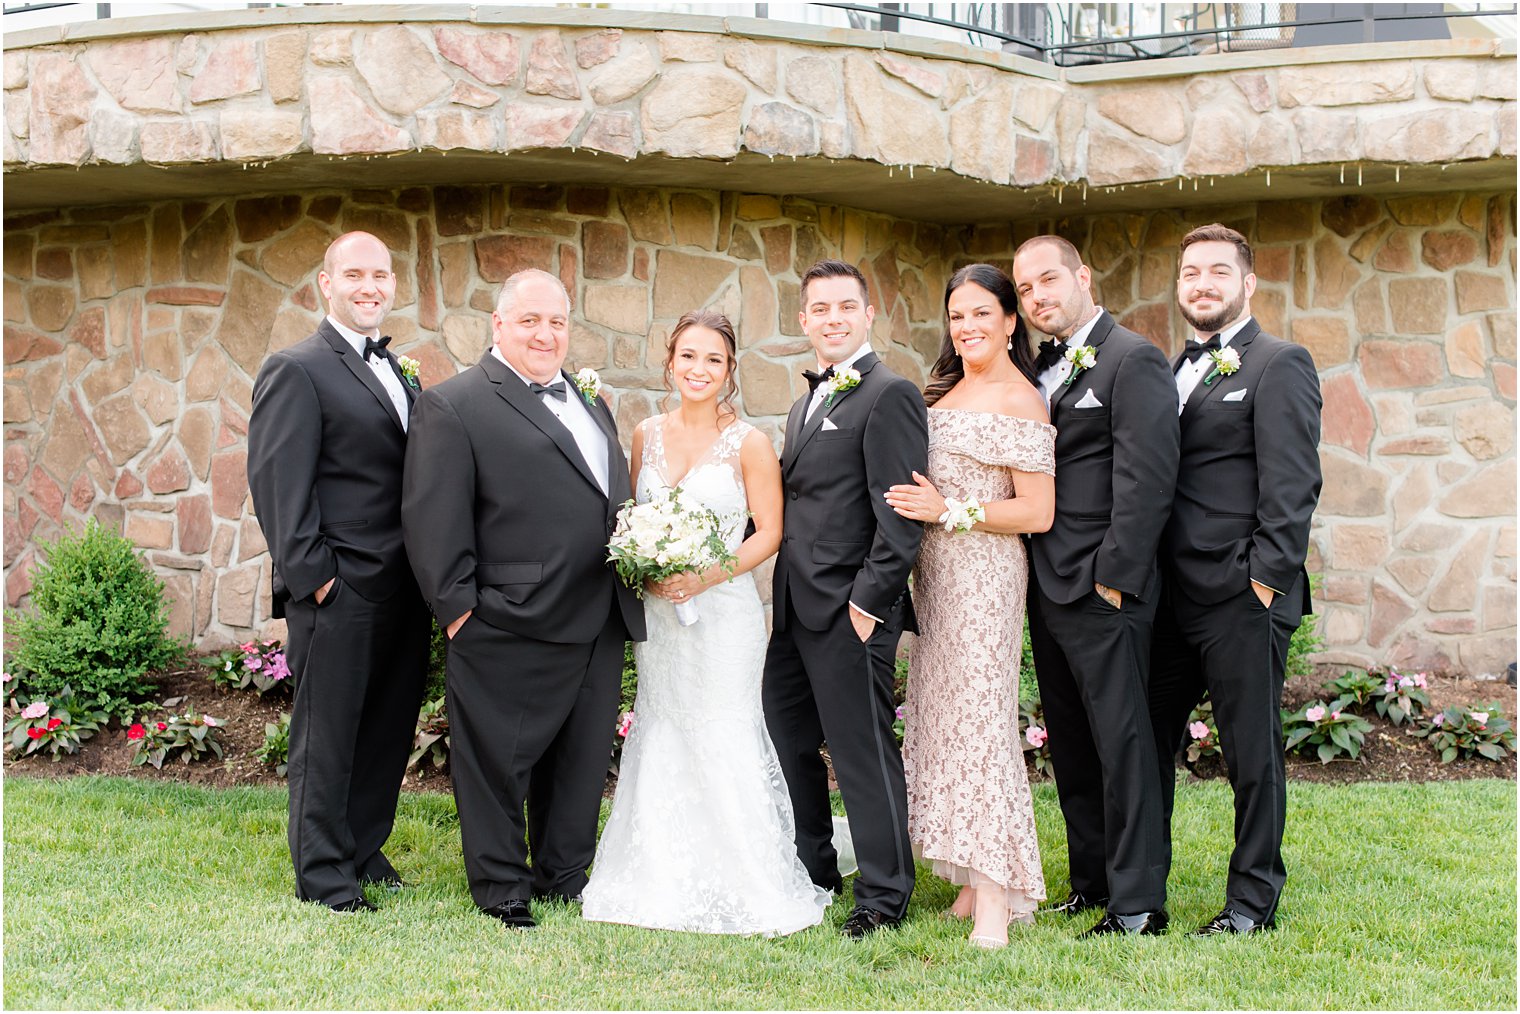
(135,893)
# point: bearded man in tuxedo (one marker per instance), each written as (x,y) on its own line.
(514,478)
(1233,555)
(326,444)
(1094,585)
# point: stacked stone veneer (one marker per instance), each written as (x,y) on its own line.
(133,334)
(250,94)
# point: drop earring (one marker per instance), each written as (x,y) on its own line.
(1010,343)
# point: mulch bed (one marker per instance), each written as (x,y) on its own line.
(1389,755)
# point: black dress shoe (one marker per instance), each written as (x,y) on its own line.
(353,905)
(1231,921)
(1075,902)
(863,921)
(514,913)
(1141,924)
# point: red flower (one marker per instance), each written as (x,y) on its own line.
(137,731)
(162,726)
(35,733)
(54,723)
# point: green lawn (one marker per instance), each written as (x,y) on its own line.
(136,893)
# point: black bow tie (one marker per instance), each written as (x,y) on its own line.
(1051,353)
(814,379)
(1195,349)
(554,390)
(375,348)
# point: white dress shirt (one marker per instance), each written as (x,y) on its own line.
(381,367)
(1054,376)
(819,392)
(1191,373)
(575,414)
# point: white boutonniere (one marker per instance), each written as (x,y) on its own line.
(409,371)
(1226,361)
(1083,357)
(589,384)
(842,381)
(962,515)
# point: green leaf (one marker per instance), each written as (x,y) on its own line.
(1493,751)
(1448,755)
(1326,753)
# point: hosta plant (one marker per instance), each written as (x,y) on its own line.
(1330,733)
(189,737)
(1463,732)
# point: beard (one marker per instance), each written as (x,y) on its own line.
(1210,323)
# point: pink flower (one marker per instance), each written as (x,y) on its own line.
(1420,680)
(1036,735)
(1335,716)
(1315,713)
(1390,687)
(1439,719)
(36,709)
(247,646)
(1199,730)
(625,723)
(210,721)
(6,677)
(1405,681)
(899,711)
(1481,717)
(254,664)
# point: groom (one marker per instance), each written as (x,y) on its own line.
(513,481)
(841,599)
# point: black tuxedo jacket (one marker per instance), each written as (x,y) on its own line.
(1250,476)
(502,514)
(841,543)
(325,456)
(1116,463)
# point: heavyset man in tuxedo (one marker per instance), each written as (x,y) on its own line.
(326,441)
(514,477)
(1233,554)
(840,599)
(1095,585)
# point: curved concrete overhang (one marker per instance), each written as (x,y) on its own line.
(278,100)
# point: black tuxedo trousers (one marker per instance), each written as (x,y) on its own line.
(359,668)
(1091,663)
(1237,650)
(531,722)
(829,685)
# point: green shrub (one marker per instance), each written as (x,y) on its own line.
(630,682)
(438,657)
(99,622)
(1306,640)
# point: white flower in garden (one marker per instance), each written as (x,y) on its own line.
(1481,717)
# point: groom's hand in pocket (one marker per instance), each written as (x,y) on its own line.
(863,624)
(454,627)
(1112,596)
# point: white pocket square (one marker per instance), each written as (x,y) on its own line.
(828,424)
(1239,395)
(1089,400)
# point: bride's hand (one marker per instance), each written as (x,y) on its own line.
(680,587)
(920,501)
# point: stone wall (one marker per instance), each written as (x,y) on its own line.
(133,334)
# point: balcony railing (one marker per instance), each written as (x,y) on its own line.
(1069,34)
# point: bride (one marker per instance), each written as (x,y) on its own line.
(701,835)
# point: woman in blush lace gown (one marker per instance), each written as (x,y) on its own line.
(991,478)
(701,835)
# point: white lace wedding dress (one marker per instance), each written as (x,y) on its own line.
(701,836)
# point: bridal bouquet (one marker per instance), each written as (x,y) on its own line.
(665,536)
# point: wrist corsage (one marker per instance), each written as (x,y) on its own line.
(962,515)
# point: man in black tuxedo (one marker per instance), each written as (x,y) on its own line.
(1094,584)
(1233,554)
(840,599)
(326,442)
(514,478)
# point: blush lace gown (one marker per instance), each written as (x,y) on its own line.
(969,808)
(701,835)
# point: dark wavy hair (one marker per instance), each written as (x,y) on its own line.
(713,321)
(948,369)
